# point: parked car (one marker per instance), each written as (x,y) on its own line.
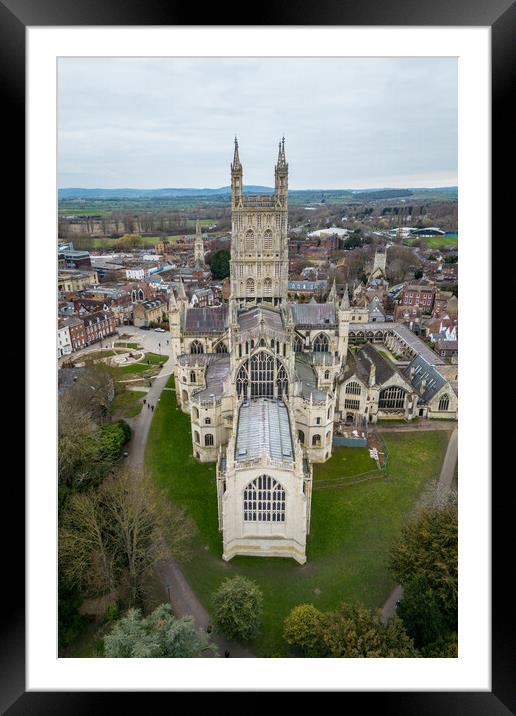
(159,330)
(144,328)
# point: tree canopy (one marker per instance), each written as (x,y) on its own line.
(219,263)
(428,550)
(353,631)
(237,608)
(159,635)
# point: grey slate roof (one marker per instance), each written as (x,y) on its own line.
(424,371)
(264,429)
(216,372)
(383,367)
(305,373)
(314,314)
(209,319)
(251,320)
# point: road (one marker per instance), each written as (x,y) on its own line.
(183,599)
(441,490)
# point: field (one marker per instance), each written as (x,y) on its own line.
(351,531)
(435,242)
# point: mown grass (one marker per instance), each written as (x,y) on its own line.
(128,403)
(351,531)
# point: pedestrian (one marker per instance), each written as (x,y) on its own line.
(209,628)
(148,406)
(152,408)
(144,401)
(226,653)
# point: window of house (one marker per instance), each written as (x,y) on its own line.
(208,440)
(316,441)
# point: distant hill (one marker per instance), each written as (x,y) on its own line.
(78,193)
(69,194)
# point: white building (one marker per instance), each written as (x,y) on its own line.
(64,340)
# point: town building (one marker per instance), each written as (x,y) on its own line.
(146,313)
(98,326)
(64,340)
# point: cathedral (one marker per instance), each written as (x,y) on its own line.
(265,380)
(257,377)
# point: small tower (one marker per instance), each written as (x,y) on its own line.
(344,315)
(198,246)
(237,187)
(175,318)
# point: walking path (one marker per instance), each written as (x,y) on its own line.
(442,488)
(421,424)
(183,599)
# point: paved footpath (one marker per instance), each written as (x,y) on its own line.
(442,488)
(183,599)
(421,424)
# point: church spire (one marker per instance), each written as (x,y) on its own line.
(236,166)
(236,179)
(332,296)
(182,292)
(344,304)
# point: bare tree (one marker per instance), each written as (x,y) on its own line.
(113,540)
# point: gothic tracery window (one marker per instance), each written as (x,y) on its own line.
(262,376)
(321,343)
(392,397)
(267,242)
(264,500)
(196,347)
(208,440)
(444,402)
(353,388)
(298,345)
(249,287)
(267,287)
(249,241)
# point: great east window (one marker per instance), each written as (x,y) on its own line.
(262,376)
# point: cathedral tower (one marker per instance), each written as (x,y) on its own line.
(259,243)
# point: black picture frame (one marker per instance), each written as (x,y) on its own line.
(500,15)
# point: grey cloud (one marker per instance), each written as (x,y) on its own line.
(348,122)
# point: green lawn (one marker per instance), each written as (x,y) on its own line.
(345,462)
(351,531)
(435,242)
(128,403)
(155,358)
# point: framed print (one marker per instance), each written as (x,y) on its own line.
(262,370)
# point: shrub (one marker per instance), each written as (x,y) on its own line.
(303,629)
(238,608)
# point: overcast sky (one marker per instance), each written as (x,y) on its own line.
(171,122)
